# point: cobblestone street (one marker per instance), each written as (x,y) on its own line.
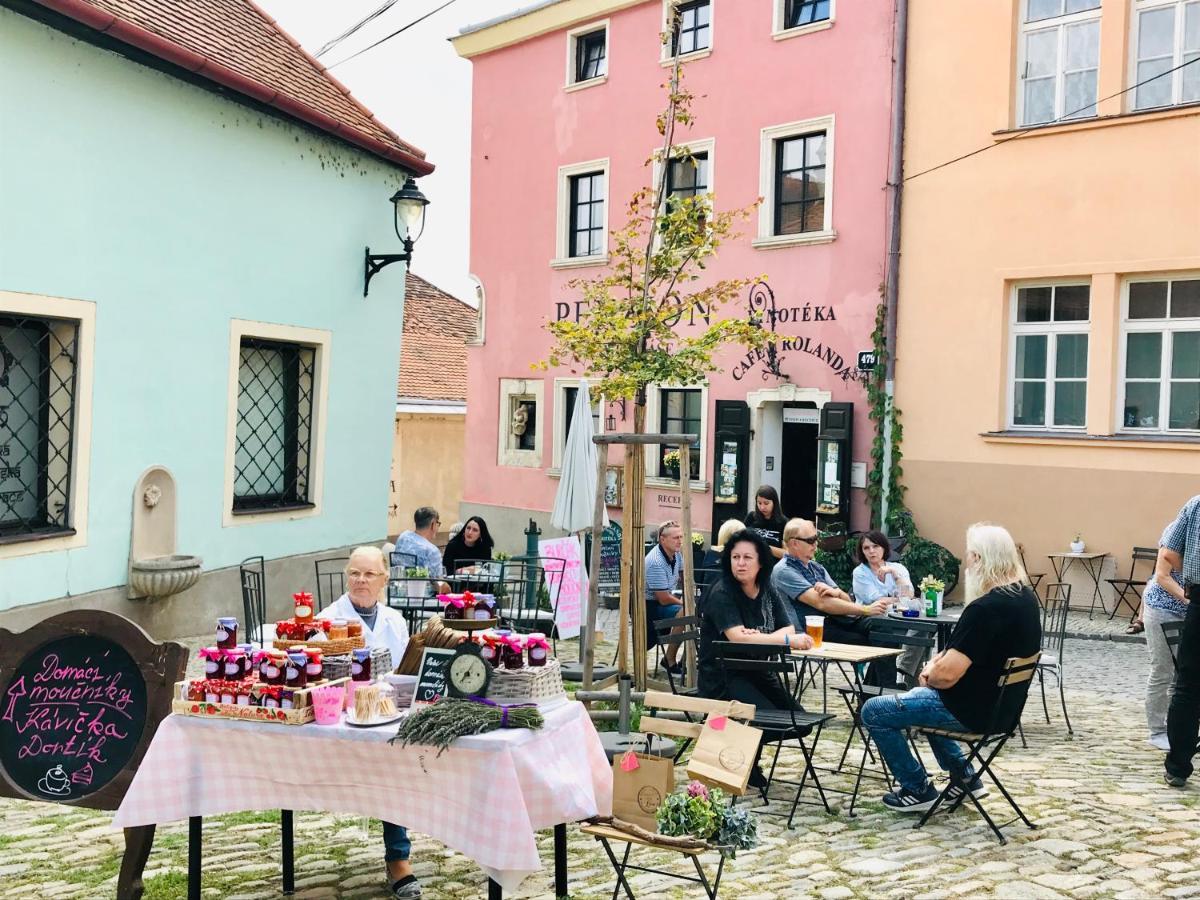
(1107,827)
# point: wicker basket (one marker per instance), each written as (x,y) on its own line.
(336,647)
(536,684)
(338,666)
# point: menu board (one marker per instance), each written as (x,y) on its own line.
(569,586)
(431,676)
(71,717)
(610,559)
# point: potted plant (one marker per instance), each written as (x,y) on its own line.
(1077,544)
(933,590)
(698,545)
(670,464)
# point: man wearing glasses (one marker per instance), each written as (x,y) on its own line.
(416,547)
(813,592)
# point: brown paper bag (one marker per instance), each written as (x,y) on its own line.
(640,784)
(724,754)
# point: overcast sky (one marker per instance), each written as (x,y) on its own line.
(418,86)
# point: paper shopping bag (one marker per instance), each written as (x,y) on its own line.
(724,754)
(640,784)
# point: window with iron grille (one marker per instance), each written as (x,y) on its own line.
(805,12)
(590,55)
(38,360)
(587,214)
(680,414)
(273,449)
(692,28)
(800,184)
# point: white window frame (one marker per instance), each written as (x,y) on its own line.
(767,238)
(321,342)
(702,145)
(83,314)
(1059,23)
(1139,7)
(506,454)
(1165,326)
(560,420)
(1052,330)
(668,58)
(562,248)
(573,45)
(779,33)
(654,477)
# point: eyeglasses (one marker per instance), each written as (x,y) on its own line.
(354,574)
(808,540)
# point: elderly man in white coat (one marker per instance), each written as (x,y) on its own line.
(366,583)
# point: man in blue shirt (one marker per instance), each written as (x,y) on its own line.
(1179,551)
(664,569)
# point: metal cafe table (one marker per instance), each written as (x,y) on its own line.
(486,796)
(945,624)
(1091,563)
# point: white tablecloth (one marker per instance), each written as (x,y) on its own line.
(485,797)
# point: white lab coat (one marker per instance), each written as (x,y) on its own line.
(390,629)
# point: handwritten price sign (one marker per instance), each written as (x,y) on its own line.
(71,717)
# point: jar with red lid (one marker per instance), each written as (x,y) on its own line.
(228,692)
(537,649)
(236,664)
(360,664)
(227,630)
(270,696)
(489,649)
(303,606)
(214,662)
(316,665)
(195,690)
(244,692)
(270,666)
(295,672)
(212,692)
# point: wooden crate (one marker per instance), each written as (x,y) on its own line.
(301,712)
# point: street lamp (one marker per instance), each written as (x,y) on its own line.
(409,205)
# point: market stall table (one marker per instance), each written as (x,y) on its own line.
(485,797)
(1091,563)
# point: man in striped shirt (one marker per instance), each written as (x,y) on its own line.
(1179,551)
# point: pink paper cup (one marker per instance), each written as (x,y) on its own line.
(327,704)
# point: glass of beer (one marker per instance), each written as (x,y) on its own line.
(814,626)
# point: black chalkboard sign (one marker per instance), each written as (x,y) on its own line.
(610,558)
(431,676)
(71,717)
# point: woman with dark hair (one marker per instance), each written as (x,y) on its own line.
(473,542)
(875,578)
(767,519)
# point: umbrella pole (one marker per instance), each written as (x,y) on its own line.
(588,638)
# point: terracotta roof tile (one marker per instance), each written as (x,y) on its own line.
(433,353)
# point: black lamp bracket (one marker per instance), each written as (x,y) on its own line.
(373,263)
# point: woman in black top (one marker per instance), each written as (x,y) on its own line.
(473,542)
(743,608)
(768,519)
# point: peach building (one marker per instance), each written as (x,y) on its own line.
(793,105)
(1048,364)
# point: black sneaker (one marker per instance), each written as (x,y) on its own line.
(407,888)
(978,790)
(1175,780)
(905,800)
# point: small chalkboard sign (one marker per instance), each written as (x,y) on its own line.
(610,558)
(431,676)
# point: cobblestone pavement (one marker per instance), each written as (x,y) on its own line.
(1107,827)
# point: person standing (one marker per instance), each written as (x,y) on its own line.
(767,519)
(1159,608)
(1179,551)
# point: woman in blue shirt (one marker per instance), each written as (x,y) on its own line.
(1159,607)
(875,578)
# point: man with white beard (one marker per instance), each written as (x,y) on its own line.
(959,687)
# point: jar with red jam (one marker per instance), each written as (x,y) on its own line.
(214,662)
(212,692)
(287,699)
(195,690)
(489,649)
(227,629)
(236,664)
(360,664)
(271,697)
(511,655)
(354,628)
(271,665)
(295,673)
(485,607)
(537,649)
(303,606)
(453,607)
(316,664)
(228,692)
(244,692)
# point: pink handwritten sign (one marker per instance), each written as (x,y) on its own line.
(573,586)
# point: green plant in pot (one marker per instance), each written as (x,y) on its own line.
(670,464)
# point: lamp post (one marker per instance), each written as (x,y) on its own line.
(409,205)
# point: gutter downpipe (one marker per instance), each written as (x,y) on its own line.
(892,279)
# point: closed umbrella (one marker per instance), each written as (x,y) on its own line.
(575,502)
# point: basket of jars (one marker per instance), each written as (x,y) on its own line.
(523,668)
(337,637)
(339,665)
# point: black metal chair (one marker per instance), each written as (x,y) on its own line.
(555,570)
(777,725)
(518,594)
(689,635)
(253,577)
(415,598)
(1054,629)
(1034,578)
(1173,632)
(331,579)
(1131,588)
(985,746)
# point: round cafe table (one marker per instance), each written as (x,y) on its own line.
(945,624)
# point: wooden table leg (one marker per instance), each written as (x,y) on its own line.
(138,842)
(195,836)
(289,849)
(560,860)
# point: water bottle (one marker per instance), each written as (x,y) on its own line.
(909,605)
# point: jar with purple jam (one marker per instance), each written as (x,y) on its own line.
(295,673)
(537,648)
(214,662)
(360,664)
(227,629)
(236,664)
(287,699)
(490,649)
(511,655)
(271,664)
(316,664)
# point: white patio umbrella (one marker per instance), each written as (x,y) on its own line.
(575,502)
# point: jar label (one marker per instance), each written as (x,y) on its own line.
(222,634)
(482,613)
(271,671)
(313,669)
(210,697)
(537,653)
(227,698)
(286,704)
(303,612)
(356,668)
(231,668)
(212,667)
(243,700)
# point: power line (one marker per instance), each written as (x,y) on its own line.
(1059,120)
(329,45)
(400,30)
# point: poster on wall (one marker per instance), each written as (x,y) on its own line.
(727,474)
(573,589)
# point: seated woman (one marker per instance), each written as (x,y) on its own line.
(471,543)
(877,579)
(712,556)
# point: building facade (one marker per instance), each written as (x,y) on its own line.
(565,100)
(1048,364)
(181,289)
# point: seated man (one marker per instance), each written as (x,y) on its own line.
(664,569)
(416,548)
(812,592)
(959,688)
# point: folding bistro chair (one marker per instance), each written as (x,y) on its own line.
(331,579)
(689,635)
(1173,632)
(1131,588)
(778,725)
(253,577)
(554,570)
(985,746)
(607,835)
(1034,579)
(1054,629)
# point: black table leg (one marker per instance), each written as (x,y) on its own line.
(289,850)
(494,891)
(560,860)
(195,826)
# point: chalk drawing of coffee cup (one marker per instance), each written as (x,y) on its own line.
(55,782)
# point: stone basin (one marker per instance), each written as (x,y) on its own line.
(162,576)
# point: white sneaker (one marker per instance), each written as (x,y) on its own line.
(1161,741)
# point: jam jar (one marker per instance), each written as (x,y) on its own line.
(214,659)
(339,630)
(295,674)
(454,609)
(360,664)
(228,692)
(485,607)
(270,666)
(490,649)
(316,665)
(195,690)
(511,656)
(212,692)
(244,692)
(236,664)
(287,699)
(227,629)
(354,628)
(270,697)
(537,648)
(303,606)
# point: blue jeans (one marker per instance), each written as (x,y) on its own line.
(887,717)
(396,845)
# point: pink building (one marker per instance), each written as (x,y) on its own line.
(793,105)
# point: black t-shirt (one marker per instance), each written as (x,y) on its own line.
(771,530)
(727,606)
(1003,623)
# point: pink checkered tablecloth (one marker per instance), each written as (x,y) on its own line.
(485,797)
